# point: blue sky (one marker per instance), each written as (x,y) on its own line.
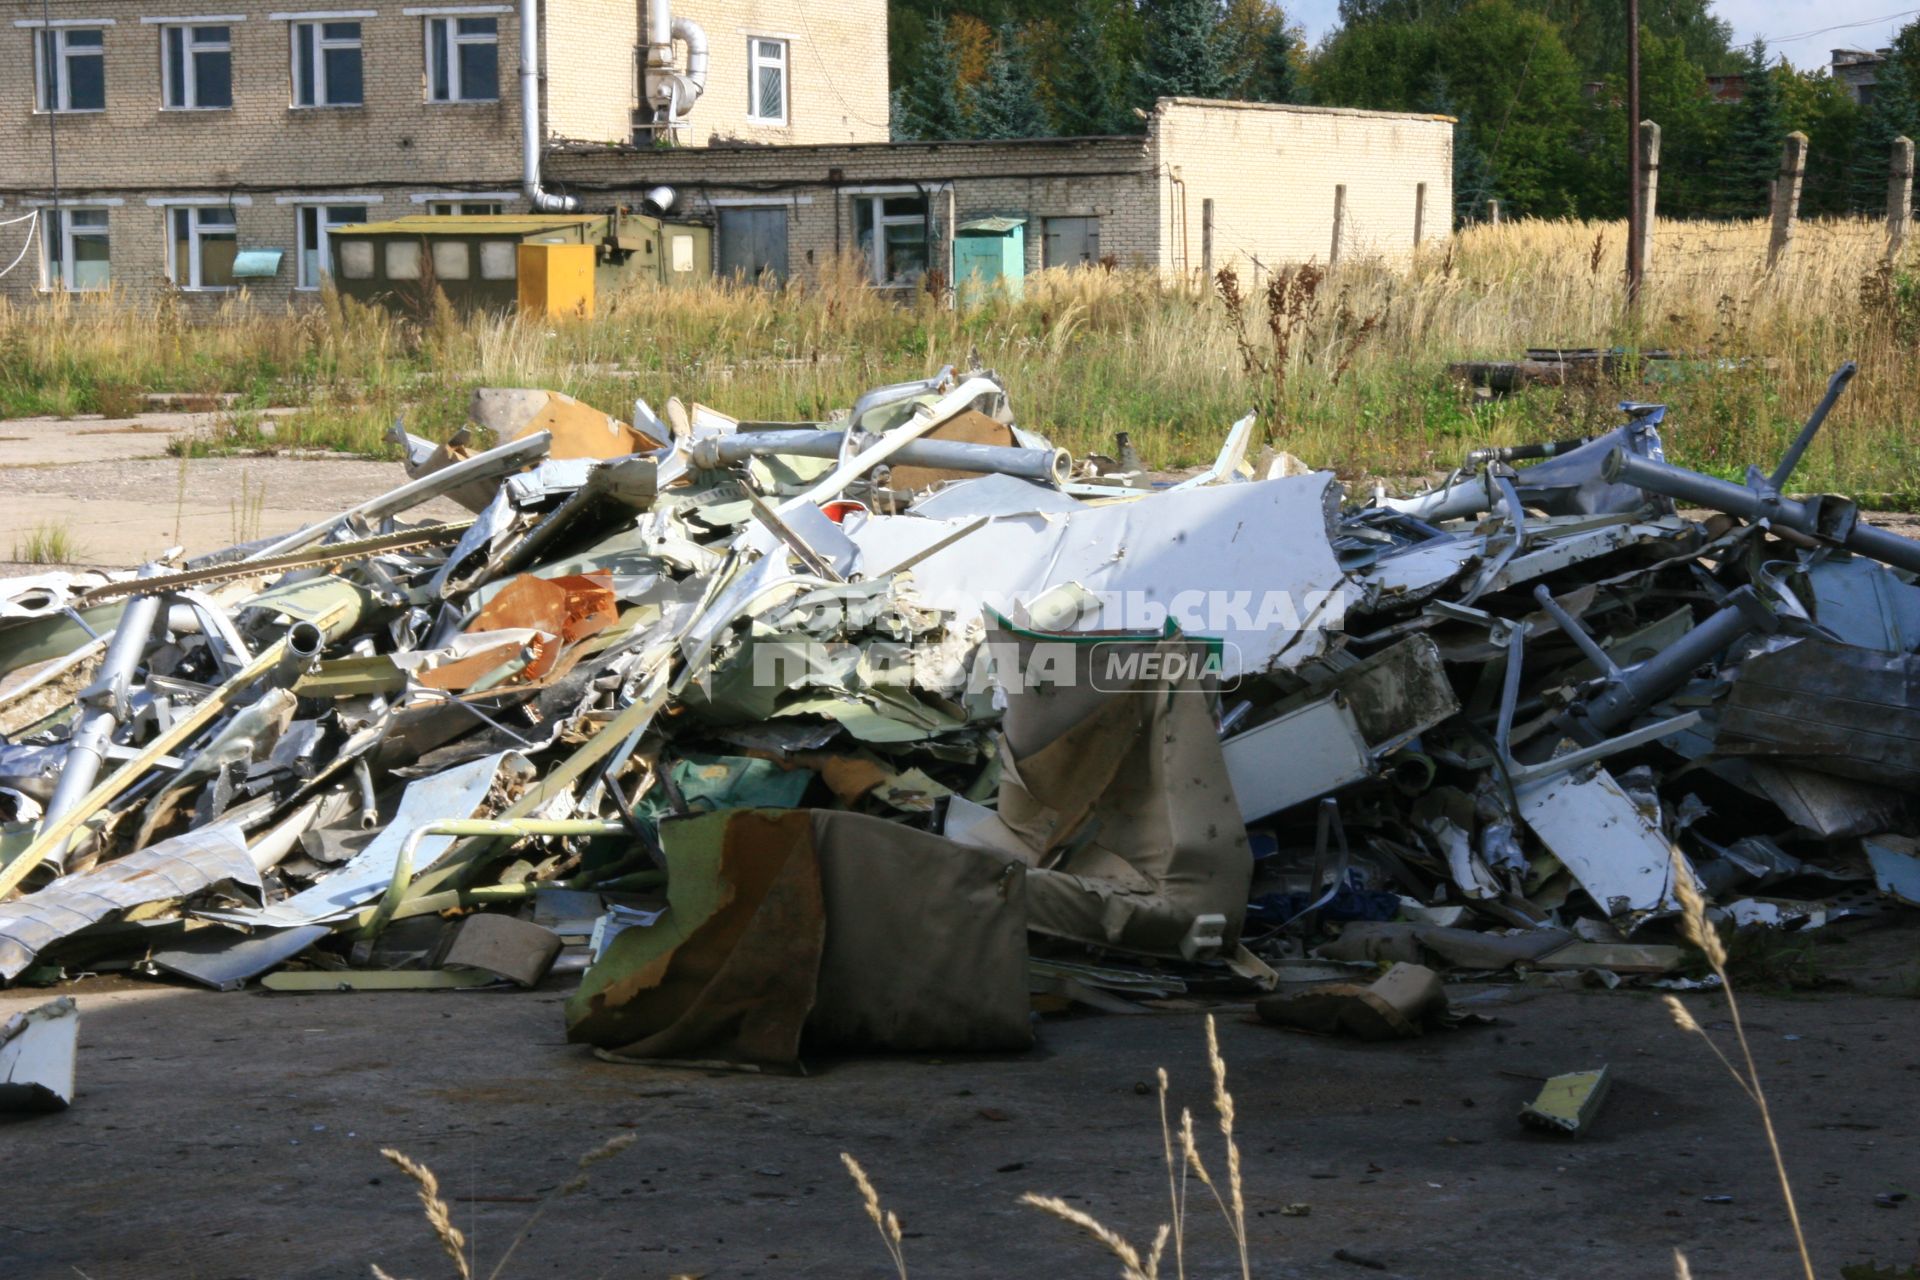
(1876,21)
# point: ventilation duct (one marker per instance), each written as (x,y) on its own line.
(542,200)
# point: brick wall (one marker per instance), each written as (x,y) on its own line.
(138,234)
(1108,178)
(588,62)
(1272,172)
(262,141)
(836,57)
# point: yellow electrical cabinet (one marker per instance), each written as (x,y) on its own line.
(556,279)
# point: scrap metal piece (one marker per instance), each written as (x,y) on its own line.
(518,951)
(1619,857)
(173,869)
(369,873)
(1398,1006)
(226,960)
(104,706)
(492,465)
(1049,466)
(1833,708)
(319,981)
(1827,518)
(1568,1104)
(1896,866)
(37,1052)
(334,553)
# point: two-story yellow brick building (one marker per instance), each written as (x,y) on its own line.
(209,147)
(149,143)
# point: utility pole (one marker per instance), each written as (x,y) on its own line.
(1636,231)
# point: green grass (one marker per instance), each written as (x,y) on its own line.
(1351,376)
(46,544)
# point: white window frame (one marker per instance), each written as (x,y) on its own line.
(756,61)
(50,45)
(66,237)
(321,44)
(324,224)
(190,45)
(450,38)
(465,208)
(189,280)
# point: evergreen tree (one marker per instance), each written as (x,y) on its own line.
(1750,157)
(1894,113)
(1088,96)
(1186,53)
(1473,182)
(1006,103)
(931,108)
(1279,79)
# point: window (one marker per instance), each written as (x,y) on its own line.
(463,59)
(72,68)
(1070,242)
(201,250)
(326,64)
(753,243)
(76,248)
(463,208)
(196,68)
(317,222)
(403,259)
(767,81)
(499,260)
(356,258)
(452,260)
(892,232)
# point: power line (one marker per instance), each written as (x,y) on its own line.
(1842,26)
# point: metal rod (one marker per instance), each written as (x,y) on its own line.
(1721,495)
(104,704)
(1640,685)
(494,463)
(1835,385)
(1051,466)
(1577,633)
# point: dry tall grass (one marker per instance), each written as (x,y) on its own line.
(1350,372)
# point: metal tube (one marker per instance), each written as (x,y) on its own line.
(1050,466)
(1722,495)
(531,135)
(1575,632)
(1640,685)
(1835,385)
(499,461)
(104,703)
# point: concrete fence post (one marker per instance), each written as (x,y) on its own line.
(1206,237)
(1899,196)
(1786,196)
(1493,212)
(1339,224)
(1649,187)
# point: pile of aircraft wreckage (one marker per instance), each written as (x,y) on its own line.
(878,733)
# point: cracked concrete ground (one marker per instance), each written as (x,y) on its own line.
(238,1135)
